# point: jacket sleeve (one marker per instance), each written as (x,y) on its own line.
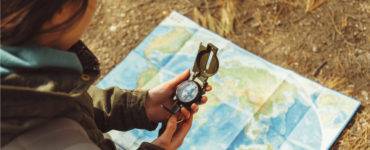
(120,109)
(149,146)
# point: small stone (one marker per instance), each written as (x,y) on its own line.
(122,15)
(278,23)
(315,49)
(365,95)
(358,52)
(113,28)
(136,27)
(274,8)
(286,52)
(255,24)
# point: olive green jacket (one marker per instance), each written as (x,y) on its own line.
(35,90)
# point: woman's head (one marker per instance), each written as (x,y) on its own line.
(52,23)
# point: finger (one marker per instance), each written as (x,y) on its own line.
(182,132)
(185,112)
(170,129)
(208,88)
(194,108)
(203,100)
(179,78)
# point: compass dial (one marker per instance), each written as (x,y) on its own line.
(187,91)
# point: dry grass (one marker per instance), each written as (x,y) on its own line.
(313,4)
(337,84)
(224,25)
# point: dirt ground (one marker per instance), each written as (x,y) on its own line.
(325,40)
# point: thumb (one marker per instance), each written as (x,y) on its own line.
(179,78)
(170,129)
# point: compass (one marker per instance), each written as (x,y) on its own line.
(190,91)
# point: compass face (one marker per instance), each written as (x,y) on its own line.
(187,91)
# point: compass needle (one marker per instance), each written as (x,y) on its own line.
(209,60)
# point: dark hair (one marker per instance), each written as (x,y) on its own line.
(22,20)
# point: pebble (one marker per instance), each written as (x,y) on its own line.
(113,28)
(122,15)
(315,49)
(365,95)
(136,27)
(278,23)
(255,24)
(358,51)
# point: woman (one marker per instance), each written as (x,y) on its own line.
(46,84)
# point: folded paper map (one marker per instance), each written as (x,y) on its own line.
(253,105)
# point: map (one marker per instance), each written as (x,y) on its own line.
(253,105)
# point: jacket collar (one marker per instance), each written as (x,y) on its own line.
(34,57)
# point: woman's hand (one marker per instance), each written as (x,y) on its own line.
(174,134)
(163,95)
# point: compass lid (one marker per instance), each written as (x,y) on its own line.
(206,63)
